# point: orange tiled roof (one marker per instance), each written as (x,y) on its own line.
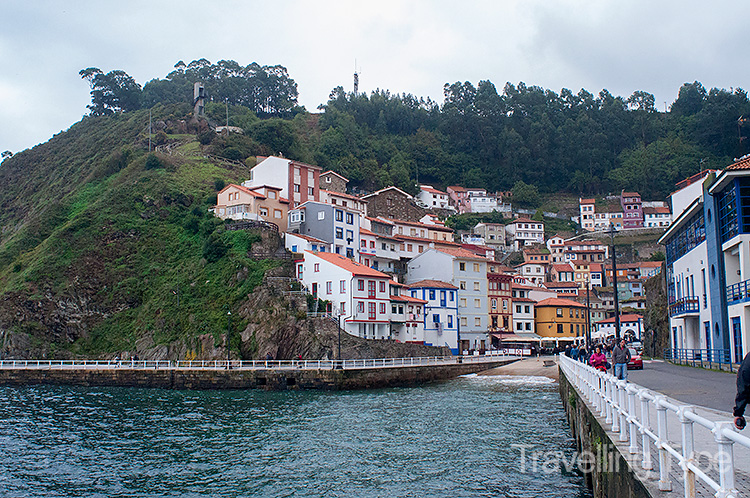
(349,265)
(243,189)
(742,163)
(459,252)
(557,301)
(433,190)
(630,317)
(431,283)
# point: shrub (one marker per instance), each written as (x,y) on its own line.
(219,184)
(153,162)
(214,248)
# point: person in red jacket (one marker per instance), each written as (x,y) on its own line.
(598,359)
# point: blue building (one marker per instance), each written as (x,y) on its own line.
(440,312)
(708,262)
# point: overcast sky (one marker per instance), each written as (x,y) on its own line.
(412,46)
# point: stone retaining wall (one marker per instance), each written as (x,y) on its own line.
(269,379)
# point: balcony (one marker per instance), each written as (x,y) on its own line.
(738,292)
(684,306)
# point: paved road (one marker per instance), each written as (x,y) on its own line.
(691,385)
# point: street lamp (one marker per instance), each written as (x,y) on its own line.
(588,316)
(612,232)
(229,330)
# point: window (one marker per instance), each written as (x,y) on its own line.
(462,285)
(277,214)
(420,249)
(363,244)
(360,306)
(382,308)
(349,235)
(409,247)
(296,187)
(518,308)
(559,312)
(519,326)
(528,325)
(432,294)
(477,322)
(477,303)
(371,311)
(382,286)
(339,215)
(476,267)
(271,194)
(462,266)
(321,215)
(494,304)
(559,328)
(342,286)
(463,321)
(450,321)
(263,211)
(310,191)
(329,287)
(451,295)
(342,307)
(372,244)
(435,318)
(360,285)
(476,286)
(316,267)
(462,302)
(571,312)
(527,309)
(339,233)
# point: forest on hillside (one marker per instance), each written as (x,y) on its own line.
(579,143)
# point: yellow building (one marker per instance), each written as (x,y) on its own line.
(560,319)
(256,203)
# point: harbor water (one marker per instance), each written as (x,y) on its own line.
(455,439)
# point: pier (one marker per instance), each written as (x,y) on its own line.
(654,445)
(255,374)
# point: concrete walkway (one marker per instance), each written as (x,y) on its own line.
(696,386)
(712,395)
(543,366)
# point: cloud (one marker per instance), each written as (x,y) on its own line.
(403,46)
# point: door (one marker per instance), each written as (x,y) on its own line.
(737,336)
(371,289)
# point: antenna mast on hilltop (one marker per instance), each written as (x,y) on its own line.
(356,78)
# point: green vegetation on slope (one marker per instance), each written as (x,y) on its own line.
(132,249)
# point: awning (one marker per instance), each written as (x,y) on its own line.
(522,337)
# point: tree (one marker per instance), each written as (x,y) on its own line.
(525,195)
(115,91)
(690,100)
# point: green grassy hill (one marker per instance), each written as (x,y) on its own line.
(104,244)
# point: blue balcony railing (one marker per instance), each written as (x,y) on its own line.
(738,292)
(684,305)
(720,359)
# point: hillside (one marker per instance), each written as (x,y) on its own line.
(103,244)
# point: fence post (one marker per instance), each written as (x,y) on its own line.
(661,425)
(726,459)
(611,419)
(632,417)
(622,388)
(646,463)
(688,450)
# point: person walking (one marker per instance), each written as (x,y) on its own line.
(620,359)
(743,393)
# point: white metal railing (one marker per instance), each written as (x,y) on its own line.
(618,400)
(244,364)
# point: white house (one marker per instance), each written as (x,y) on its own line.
(468,272)
(359,296)
(297,242)
(299,182)
(432,197)
(631,327)
(525,232)
(441,312)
